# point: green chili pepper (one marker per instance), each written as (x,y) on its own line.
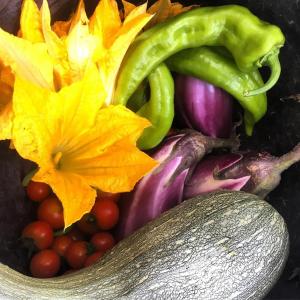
(215,65)
(252,42)
(159,110)
(139,97)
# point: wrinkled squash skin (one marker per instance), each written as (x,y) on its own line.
(226,245)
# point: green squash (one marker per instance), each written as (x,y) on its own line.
(226,245)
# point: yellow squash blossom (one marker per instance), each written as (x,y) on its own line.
(161,9)
(78,145)
(53,61)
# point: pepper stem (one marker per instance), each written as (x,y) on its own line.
(272,61)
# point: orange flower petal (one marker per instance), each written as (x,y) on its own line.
(128,7)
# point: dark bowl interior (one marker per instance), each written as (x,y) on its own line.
(277,133)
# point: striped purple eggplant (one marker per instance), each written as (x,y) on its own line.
(205,176)
(163,187)
(252,172)
(265,170)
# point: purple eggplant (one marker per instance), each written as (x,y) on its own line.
(265,170)
(202,106)
(163,187)
(205,176)
(252,172)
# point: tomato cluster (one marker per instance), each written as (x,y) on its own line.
(59,251)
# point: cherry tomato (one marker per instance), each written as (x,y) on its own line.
(103,241)
(107,196)
(51,211)
(40,232)
(76,254)
(106,213)
(93,258)
(45,264)
(37,191)
(61,244)
(76,235)
(88,224)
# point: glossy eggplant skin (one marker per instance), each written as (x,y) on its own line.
(202,106)
(205,177)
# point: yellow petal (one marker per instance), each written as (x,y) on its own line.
(117,170)
(79,15)
(55,45)
(106,21)
(30,133)
(44,119)
(136,12)
(81,46)
(29,61)
(128,7)
(76,107)
(110,63)
(30,22)
(76,196)
(57,50)
(107,156)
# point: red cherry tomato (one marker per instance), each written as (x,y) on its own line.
(45,264)
(40,232)
(51,211)
(106,213)
(37,191)
(75,234)
(76,254)
(93,258)
(61,244)
(108,196)
(103,241)
(88,224)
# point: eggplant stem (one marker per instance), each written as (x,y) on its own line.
(272,61)
(287,160)
(233,142)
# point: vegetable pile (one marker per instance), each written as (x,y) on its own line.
(131,103)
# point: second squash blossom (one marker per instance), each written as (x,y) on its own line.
(56,57)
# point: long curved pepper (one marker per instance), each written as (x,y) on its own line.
(234,27)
